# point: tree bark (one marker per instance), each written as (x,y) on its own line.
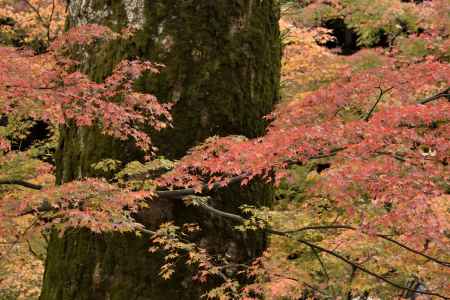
(222,63)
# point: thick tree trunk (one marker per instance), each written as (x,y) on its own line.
(222,61)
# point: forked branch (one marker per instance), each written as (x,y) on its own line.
(380,96)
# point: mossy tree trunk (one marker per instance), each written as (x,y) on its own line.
(222,63)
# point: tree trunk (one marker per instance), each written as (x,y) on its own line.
(222,63)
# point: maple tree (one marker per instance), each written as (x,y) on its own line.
(362,147)
(190,80)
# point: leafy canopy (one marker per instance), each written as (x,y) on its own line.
(362,144)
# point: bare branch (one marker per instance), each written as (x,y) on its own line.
(21,183)
(445,93)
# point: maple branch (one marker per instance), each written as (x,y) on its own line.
(169,194)
(239,219)
(221,213)
(329,252)
(382,236)
(444,93)
(322,227)
(180,193)
(332,153)
(21,183)
(318,227)
(367,271)
(380,96)
(147,231)
(176,194)
(443,263)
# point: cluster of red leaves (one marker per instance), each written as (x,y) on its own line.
(83,35)
(390,153)
(319,124)
(90,203)
(389,167)
(43,87)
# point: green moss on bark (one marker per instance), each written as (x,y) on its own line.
(222,63)
(107,266)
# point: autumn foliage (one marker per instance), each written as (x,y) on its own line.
(34,23)
(359,153)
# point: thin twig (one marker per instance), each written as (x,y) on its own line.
(46,23)
(380,96)
(367,271)
(444,93)
(324,269)
(49,23)
(330,252)
(443,263)
(382,236)
(36,10)
(319,227)
(350,282)
(396,156)
(18,239)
